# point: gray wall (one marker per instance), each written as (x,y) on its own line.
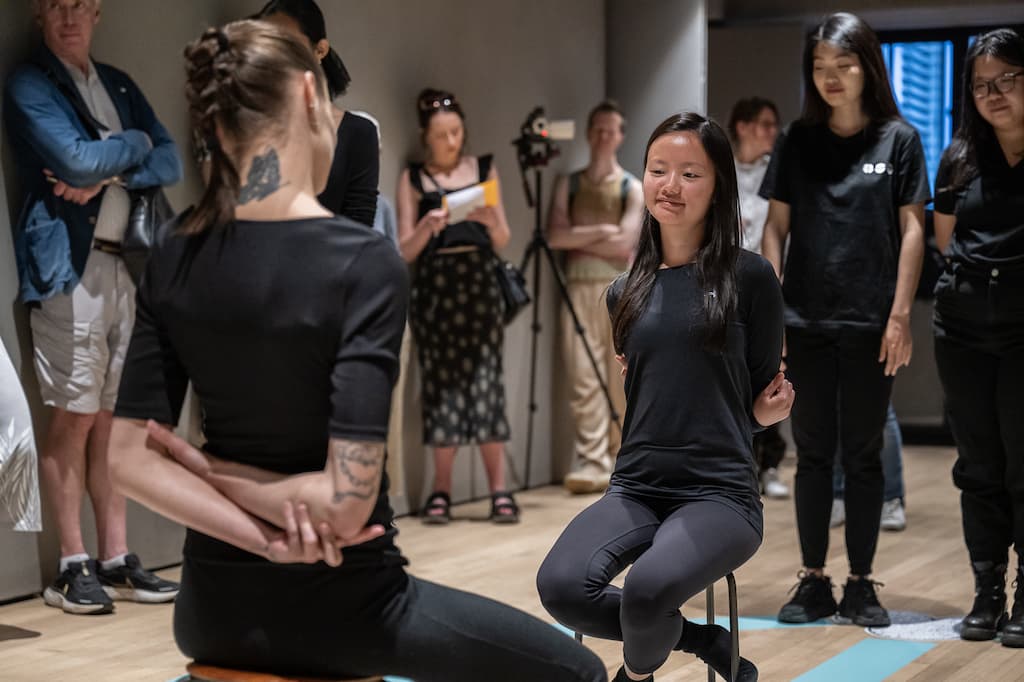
(500,58)
(657,57)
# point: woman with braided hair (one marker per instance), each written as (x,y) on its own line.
(288,321)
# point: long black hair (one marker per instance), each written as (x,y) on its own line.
(310,19)
(850,33)
(716,258)
(975,133)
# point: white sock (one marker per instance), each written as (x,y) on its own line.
(113,562)
(66,561)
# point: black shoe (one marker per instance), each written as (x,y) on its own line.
(135,583)
(813,600)
(713,645)
(621,676)
(1013,631)
(860,603)
(988,615)
(77,590)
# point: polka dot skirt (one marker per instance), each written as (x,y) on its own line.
(456,319)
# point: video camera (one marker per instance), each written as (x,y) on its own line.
(535,146)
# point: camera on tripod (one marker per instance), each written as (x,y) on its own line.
(535,146)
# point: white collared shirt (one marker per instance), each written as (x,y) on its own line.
(115,204)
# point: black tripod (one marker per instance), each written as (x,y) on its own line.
(534,151)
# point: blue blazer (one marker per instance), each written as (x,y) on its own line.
(41,113)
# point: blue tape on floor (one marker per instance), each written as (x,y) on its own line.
(763,623)
(870,660)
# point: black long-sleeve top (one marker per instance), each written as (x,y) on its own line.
(689,424)
(355,171)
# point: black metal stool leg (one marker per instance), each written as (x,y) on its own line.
(710,599)
(578,636)
(734,624)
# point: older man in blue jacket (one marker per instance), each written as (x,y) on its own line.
(84,138)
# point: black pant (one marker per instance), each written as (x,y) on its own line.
(833,372)
(676,551)
(303,621)
(769,448)
(979,349)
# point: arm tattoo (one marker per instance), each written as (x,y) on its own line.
(356,468)
(264,178)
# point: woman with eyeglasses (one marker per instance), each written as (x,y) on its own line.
(979,323)
(456,308)
(847,185)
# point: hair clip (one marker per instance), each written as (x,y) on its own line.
(437,103)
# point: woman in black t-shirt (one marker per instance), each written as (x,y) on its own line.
(288,321)
(351,189)
(456,308)
(847,185)
(699,323)
(979,323)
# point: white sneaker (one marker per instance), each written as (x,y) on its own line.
(838,517)
(772,486)
(893,516)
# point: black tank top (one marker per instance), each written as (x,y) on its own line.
(464,233)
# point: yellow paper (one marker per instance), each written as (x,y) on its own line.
(461,203)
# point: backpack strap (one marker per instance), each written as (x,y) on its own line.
(627,179)
(574,186)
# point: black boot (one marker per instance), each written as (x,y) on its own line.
(1013,631)
(621,676)
(988,614)
(713,645)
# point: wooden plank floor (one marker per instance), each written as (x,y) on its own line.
(924,568)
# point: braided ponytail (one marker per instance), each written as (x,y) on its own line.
(236,86)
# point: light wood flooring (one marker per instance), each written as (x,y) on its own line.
(924,568)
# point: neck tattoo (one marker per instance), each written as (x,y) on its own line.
(264,178)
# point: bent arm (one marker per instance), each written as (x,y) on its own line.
(343,495)
(622,244)
(36,117)
(561,233)
(140,469)
(162,165)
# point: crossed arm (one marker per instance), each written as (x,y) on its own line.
(299,518)
(604,240)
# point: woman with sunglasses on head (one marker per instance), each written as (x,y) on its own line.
(287,319)
(698,321)
(456,308)
(351,189)
(847,185)
(979,323)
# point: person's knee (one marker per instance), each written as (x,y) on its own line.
(73,427)
(562,588)
(645,599)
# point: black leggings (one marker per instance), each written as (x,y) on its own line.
(676,551)
(843,401)
(373,622)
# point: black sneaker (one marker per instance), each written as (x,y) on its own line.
(77,590)
(813,600)
(860,604)
(133,582)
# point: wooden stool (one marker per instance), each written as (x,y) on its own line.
(734,624)
(211,673)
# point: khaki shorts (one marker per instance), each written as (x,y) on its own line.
(80,339)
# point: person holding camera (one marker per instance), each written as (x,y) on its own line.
(595,216)
(456,306)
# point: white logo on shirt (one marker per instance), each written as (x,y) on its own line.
(877,168)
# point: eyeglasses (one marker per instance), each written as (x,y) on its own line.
(1003,84)
(76,8)
(430,105)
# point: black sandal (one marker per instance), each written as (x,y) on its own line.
(504,508)
(437,511)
